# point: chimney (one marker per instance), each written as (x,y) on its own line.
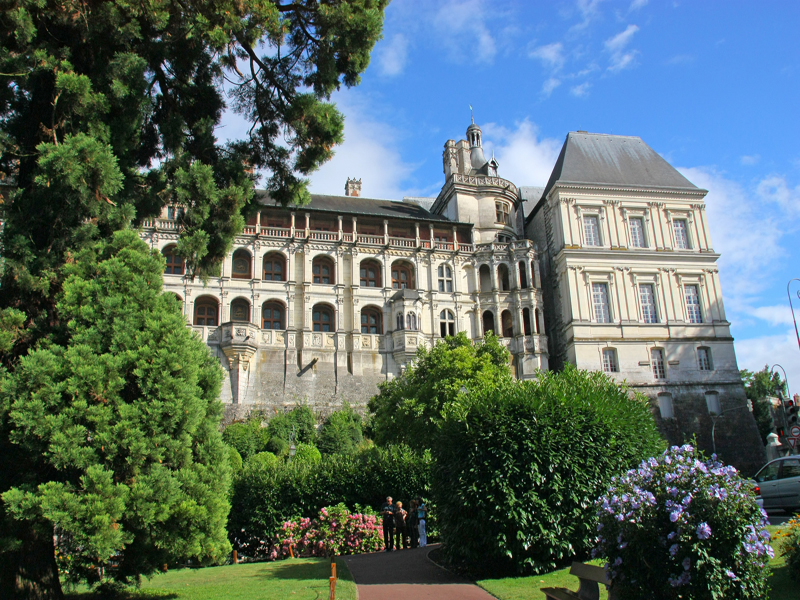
(352,187)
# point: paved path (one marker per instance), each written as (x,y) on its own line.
(408,575)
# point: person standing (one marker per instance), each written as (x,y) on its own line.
(387,512)
(400,526)
(422,512)
(412,524)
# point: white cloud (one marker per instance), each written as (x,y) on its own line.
(581,90)
(392,56)
(550,85)
(774,315)
(680,59)
(551,55)
(620,59)
(461,25)
(750,160)
(524,158)
(589,11)
(637,4)
(775,189)
(782,349)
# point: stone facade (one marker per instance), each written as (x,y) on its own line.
(613,259)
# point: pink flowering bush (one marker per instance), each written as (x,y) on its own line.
(681,527)
(334,532)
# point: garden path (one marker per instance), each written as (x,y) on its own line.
(408,575)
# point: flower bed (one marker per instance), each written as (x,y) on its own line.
(682,527)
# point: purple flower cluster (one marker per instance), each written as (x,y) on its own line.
(657,523)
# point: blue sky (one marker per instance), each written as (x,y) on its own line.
(712,86)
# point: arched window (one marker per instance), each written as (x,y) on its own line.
(488,322)
(272,315)
(502,278)
(538,316)
(533,274)
(411,321)
(712,403)
(485,277)
(322,270)
(508,324)
(240,310)
(370,273)
(445,279)
(274,267)
(665,406)
(447,323)
(175,264)
(206,311)
(371,320)
(241,264)
(322,318)
(399,321)
(402,276)
(523,275)
(526,321)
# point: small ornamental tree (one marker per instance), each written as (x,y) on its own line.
(681,527)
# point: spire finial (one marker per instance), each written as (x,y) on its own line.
(471,114)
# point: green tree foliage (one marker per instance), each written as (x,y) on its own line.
(517,467)
(248,437)
(306,453)
(300,422)
(341,432)
(758,386)
(409,409)
(118,426)
(108,113)
(265,496)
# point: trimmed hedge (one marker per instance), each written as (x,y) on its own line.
(517,468)
(264,496)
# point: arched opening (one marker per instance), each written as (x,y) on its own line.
(241,264)
(508,324)
(371,320)
(523,275)
(488,322)
(240,310)
(272,315)
(206,311)
(322,271)
(712,403)
(322,318)
(538,316)
(502,278)
(447,323)
(403,275)
(175,264)
(485,277)
(399,322)
(411,321)
(526,320)
(445,278)
(274,267)
(370,273)
(665,406)
(533,274)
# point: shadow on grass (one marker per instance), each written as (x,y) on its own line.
(298,570)
(149,595)
(782,586)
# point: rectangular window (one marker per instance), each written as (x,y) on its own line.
(681,234)
(665,406)
(610,364)
(591,231)
(600,302)
(712,403)
(693,304)
(637,233)
(657,358)
(648,300)
(704,359)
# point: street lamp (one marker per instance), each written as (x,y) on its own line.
(788,392)
(788,293)
(292,448)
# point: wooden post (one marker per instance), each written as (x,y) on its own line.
(333,578)
(235,557)
(291,552)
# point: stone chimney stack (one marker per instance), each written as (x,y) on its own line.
(352,187)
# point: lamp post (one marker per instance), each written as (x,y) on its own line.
(788,293)
(714,418)
(786,382)
(292,448)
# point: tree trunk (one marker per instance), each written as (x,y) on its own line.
(30,573)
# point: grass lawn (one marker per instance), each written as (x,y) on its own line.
(524,588)
(295,579)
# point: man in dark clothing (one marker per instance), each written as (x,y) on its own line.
(387,511)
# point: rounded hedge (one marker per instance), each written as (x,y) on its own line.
(517,468)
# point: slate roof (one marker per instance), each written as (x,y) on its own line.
(357,205)
(614,160)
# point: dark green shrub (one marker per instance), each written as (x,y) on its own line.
(277,446)
(518,467)
(262,460)
(244,437)
(341,432)
(306,453)
(235,460)
(265,496)
(301,419)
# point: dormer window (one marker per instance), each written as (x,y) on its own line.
(502,213)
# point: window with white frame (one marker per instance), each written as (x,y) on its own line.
(693,304)
(445,279)
(665,406)
(637,232)
(681,234)
(704,359)
(657,360)
(712,403)
(591,230)
(602,313)
(610,364)
(447,323)
(647,298)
